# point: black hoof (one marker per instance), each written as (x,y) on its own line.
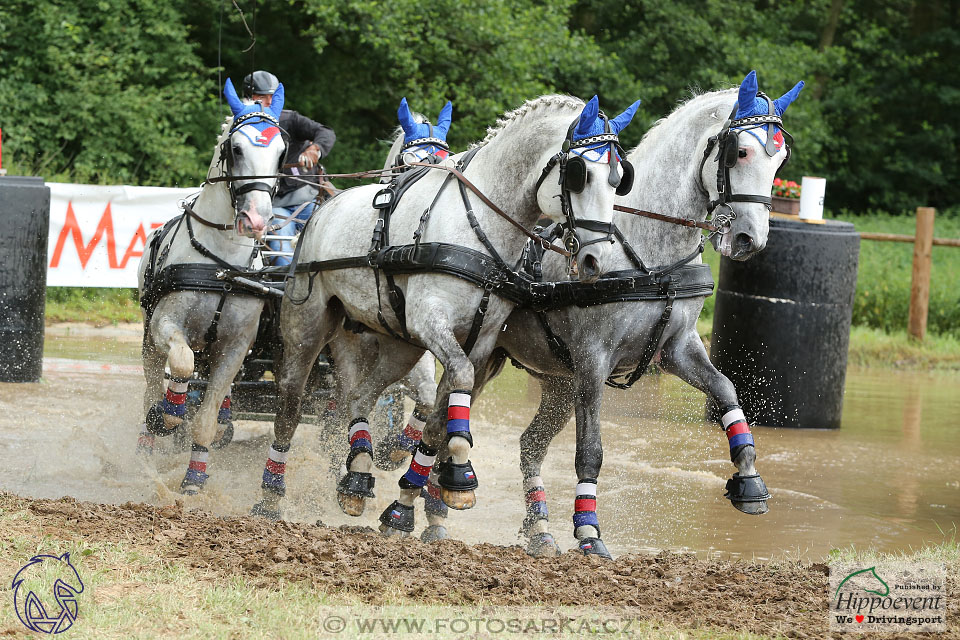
(542,545)
(594,547)
(226,438)
(457,477)
(358,484)
(748,494)
(398,516)
(263,511)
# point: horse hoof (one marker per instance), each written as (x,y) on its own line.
(390,459)
(350,505)
(223,438)
(459,500)
(390,532)
(751,508)
(433,533)
(262,510)
(543,545)
(748,494)
(190,490)
(594,547)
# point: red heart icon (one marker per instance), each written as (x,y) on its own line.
(859,618)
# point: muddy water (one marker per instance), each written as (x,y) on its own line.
(888,479)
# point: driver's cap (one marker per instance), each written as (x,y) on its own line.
(260,83)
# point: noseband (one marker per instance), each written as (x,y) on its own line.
(727,144)
(228,160)
(421,146)
(573,179)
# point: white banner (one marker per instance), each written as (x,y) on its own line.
(97,233)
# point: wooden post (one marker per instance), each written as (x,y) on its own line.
(920,281)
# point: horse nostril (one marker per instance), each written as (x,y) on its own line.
(744,242)
(590,266)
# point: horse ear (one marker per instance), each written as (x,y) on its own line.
(588,117)
(444,120)
(276,105)
(236,105)
(748,94)
(620,123)
(781,103)
(406,119)
(66,557)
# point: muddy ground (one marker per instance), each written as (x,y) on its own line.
(787,598)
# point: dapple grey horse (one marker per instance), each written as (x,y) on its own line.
(676,177)
(185,308)
(440,310)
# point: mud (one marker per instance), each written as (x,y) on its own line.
(786,598)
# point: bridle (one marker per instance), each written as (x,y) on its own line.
(227,159)
(573,177)
(727,144)
(420,144)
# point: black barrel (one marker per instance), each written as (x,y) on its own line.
(25,219)
(781,325)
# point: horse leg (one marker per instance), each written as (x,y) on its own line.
(556,405)
(589,458)
(686,357)
(163,416)
(225,360)
(224,423)
(302,343)
(153,361)
(391,365)
(397,447)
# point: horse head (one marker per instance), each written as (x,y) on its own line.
(34,584)
(751,148)
(592,171)
(254,146)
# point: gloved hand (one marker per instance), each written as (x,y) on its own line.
(310,157)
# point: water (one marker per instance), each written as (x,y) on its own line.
(888,479)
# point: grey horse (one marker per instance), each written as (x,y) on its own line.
(185,307)
(440,310)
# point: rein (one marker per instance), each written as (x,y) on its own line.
(683,222)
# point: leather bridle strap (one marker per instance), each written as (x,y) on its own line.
(213,225)
(469,185)
(683,222)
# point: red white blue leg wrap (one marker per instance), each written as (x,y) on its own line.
(536,498)
(458,415)
(737,430)
(174,401)
(420,466)
(410,437)
(197,469)
(585,505)
(359,438)
(276,467)
(225,414)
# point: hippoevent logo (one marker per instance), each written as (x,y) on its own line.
(888,597)
(45,593)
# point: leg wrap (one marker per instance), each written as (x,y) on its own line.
(432,502)
(420,466)
(146,441)
(536,499)
(458,415)
(174,402)
(585,505)
(196,474)
(360,440)
(225,414)
(737,430)
(409,438)
(276,467)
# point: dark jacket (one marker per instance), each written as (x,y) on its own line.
(303,132)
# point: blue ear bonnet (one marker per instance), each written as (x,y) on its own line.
(750,103)
(433,136)
(593,123)
(257,123)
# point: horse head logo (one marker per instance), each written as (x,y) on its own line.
(863,578)
(44,574)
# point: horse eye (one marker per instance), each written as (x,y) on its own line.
(237,150)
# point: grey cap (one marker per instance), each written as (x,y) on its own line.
(260,83)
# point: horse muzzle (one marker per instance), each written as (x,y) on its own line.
(589,264)
(744,246)
(251,224)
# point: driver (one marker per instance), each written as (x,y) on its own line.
(309,142)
